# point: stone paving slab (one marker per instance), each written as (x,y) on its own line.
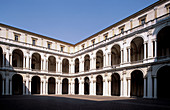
(78,102)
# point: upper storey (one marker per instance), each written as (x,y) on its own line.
(131,24)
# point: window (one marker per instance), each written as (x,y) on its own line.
(82,46)
(105,36)
(142,21)
(121,29)
(33,42)
(16,37)
(62,48)
(49,45)
(93,41)
(168,7)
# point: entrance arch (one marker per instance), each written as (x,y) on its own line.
(99,59)
(52,64)
(99,85)
(35,85)
(76,65)
(65,86)
(115,55)
(76,86)
(87,63)
(86,86)
(17,84)
(163,76)
(115,84)
(65,66)
(137,83)
(0,84)
(36,61)
(51,85)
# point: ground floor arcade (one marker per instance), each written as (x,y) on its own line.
(150,82)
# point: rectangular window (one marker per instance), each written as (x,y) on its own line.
(49,45)
(105,36)
(82,46)
(16,37)
(62,48)
(93,41)
(143,21)
(121,29)
(33,42)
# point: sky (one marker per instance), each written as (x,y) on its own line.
(67,20)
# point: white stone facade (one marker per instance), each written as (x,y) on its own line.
(103,68)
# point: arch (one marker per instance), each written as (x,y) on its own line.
(115,55)
(76,86)
(17,58)
(87,63)
(137,83)
(1,57)
(163,75)
(86,86)
(1,84)
(163,47)
(65,86)
(17,84)
(51,85)
(76,65)
(65,66)
(35,85)
(36,61)
(115,84)
(99,85)
(137,49)
(52,64)
(99,59)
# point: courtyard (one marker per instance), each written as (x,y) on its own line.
(79,102)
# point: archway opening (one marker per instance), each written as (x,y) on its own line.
(65,86)
(115,55)
(87,63)
(137,49)
(35,85)
(65,66)
(86,86)
(163,76)
(76,86)
(137,83)
(115,84)
(76,65)
(36,61)
(51,85)
(99,85)
(17,58)
(17,84)
(163,47)
(99,59)
(52,64)
(1,57)
(0,84)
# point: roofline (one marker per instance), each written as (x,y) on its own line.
(125,19)
(35,34)
(105,29)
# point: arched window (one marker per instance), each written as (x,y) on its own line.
(65,66)
(137,49)
(87,63)
(52,64)
(76,65)
(99,59)
(163,47)
(115,55)
(17,58)
(36,61)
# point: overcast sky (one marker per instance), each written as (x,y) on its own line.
(67,20)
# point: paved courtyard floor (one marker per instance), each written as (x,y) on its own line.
(77,102)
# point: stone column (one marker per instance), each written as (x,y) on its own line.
(41,87)
(44,87)
(80,88)
(155,87)
(73,88)
(94,63)
(149,90)
(94,87)
(121,89)
(3,60)
(129,80)
(104,60)
(109,59)
(109,87)
(3,87)
(24,84)
(10,59)
(7,85)
(30,87)
(27,85)
(30,63)
(56,88)
(104,87)
(91,87)
(144,96)
(128,52)
(10,86)
(24,62)
(91,63)
(47,87)
(145,49)
(121,56)
(155,48)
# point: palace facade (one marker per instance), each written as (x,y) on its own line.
(130,58)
